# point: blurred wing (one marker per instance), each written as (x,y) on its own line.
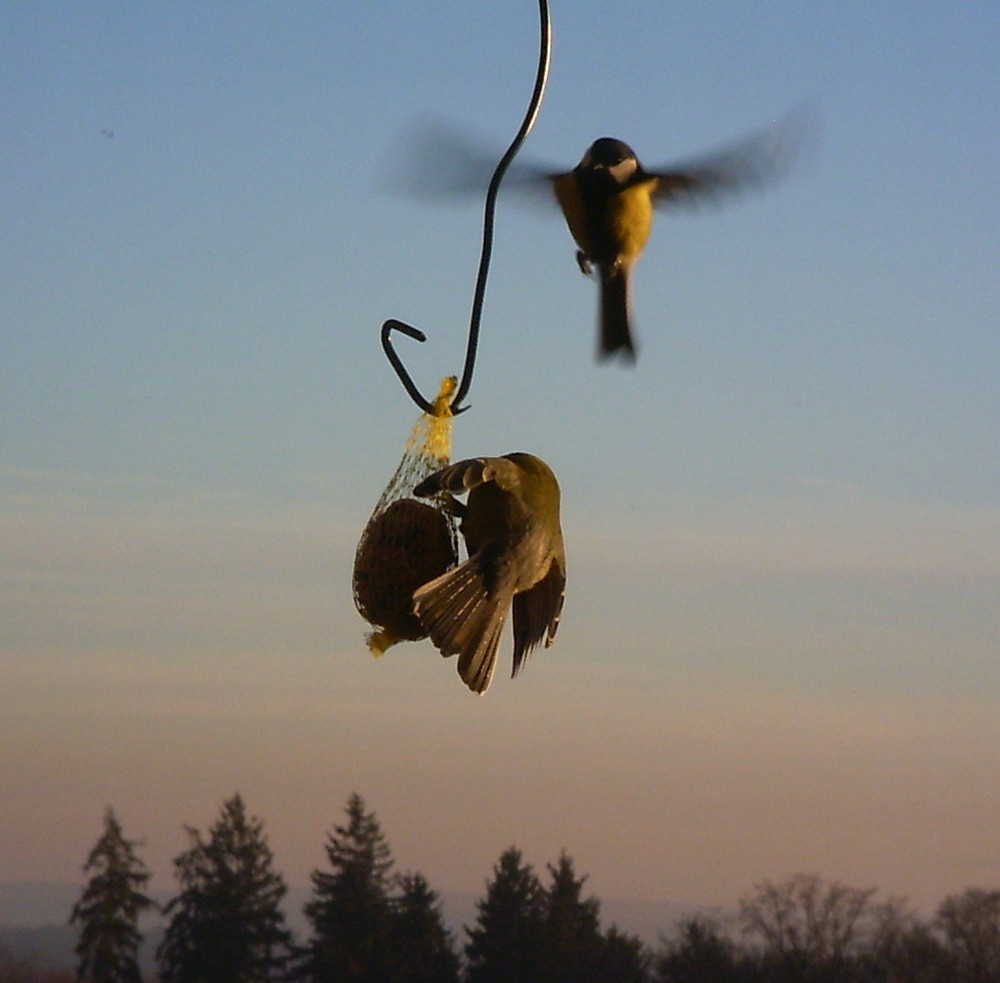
(529,184)
(537,611)
(434,159)
(755,161)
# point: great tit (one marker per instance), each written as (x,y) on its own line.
(516,560)
(609,197)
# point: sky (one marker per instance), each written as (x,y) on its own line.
(780,649)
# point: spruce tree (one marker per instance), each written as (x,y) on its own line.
(571,937)
(698,952)
(624,958)
(350,909)
(505,943)
(422,949)
(109,908)
(226,923)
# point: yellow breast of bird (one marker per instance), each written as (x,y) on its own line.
(631,218)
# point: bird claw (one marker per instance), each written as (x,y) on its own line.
(583,261)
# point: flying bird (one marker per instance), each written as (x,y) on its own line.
(516,561)
(609,198)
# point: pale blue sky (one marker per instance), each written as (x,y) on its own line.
(780,645)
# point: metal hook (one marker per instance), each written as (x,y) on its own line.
(394,360)
(541,76)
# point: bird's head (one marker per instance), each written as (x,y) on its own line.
(612,156)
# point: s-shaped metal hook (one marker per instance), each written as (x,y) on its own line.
(392,324)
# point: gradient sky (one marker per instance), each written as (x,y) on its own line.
(781,643)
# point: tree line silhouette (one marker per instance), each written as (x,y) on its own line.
(367,924)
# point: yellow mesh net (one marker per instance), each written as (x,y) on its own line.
(407,541)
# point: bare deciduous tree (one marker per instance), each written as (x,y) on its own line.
(805,920)
(970,922)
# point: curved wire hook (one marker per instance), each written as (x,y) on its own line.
(541,77)
(396,362)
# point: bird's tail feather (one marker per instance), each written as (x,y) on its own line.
(616,313)
(464,619)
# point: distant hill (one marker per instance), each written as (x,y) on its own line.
(31,904)
(34,923)
(49,946)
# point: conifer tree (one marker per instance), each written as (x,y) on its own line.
(109,908)
(571,937)
(422,949)
(505,943)
(624,958)
(226,923)
(698,952)
(350,910)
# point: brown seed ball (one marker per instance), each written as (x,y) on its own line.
(401,549)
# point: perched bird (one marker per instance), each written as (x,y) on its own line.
(516,560)
(609,197)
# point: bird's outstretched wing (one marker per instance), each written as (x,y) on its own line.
(440,161)
(536,613)
(753,161)
(465,475)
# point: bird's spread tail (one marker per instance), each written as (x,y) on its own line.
(464,619)
(616,304)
